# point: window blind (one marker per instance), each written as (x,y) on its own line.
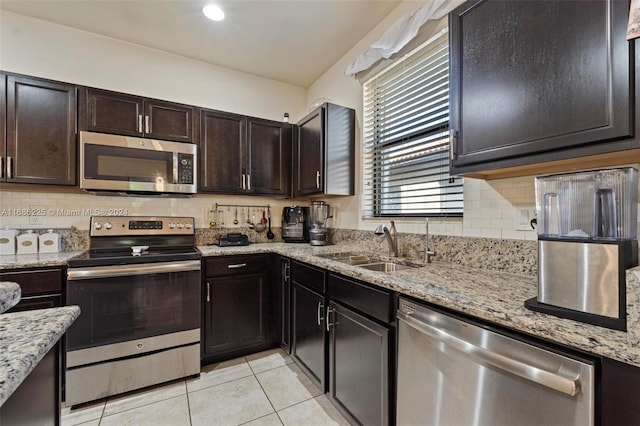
(406,137)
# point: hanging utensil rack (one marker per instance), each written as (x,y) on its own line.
(265,206)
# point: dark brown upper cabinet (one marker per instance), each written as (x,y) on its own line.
(40,144)
(122,114)
(539,81)
(268,157)
(324,155)
(244,155)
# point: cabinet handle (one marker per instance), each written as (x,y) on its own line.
(146,124)
(140,123)
(318,179)
(237,265)
(9,168)
(248,182)
(328,322)
(244,179)
(208,292)
(286,272)
(453,142)
(320,317)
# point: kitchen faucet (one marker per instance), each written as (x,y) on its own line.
(427,253)
(392,238)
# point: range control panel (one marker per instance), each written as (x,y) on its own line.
(141,225)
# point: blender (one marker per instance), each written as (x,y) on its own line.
(319,213)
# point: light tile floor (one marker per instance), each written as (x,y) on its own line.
(262,389)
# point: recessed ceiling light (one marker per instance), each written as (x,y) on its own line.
(213,12)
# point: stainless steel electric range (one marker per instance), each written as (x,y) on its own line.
(138,288)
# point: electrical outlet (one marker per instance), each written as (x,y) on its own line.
(36,217)
(523,217)
(35,220)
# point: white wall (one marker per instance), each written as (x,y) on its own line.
(489,206)
(43,49)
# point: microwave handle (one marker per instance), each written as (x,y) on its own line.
(176,167)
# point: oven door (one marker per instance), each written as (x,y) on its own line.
(131,302)
(123,163)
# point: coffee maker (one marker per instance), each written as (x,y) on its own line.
(587,239)
(295,224)
(319,211)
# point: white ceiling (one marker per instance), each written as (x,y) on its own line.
(293,41)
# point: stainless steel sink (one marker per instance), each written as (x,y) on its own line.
(365,261)
(385,267)
(348,258)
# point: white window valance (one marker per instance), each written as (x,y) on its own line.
(403,35)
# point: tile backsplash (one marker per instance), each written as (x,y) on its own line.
(489,210)
(43,210)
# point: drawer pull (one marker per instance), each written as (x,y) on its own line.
(236,266)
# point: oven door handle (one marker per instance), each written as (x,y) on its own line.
(128,270)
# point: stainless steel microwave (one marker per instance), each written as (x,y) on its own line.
(136,166)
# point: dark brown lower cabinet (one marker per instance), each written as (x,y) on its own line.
(37,399)
(620,394)
(358,365)
(308,333)
(236,312)
(237,307)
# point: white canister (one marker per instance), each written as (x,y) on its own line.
(28,243)
(49,242)
(8,241)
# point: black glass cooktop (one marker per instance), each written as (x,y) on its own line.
(126,257)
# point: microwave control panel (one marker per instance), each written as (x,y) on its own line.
(185,169)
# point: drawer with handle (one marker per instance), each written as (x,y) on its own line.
(234,265)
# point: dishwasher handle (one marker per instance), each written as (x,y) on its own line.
(529,372)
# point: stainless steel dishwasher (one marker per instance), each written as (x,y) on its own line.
(454,373)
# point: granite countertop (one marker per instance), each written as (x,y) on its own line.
(492,296)
(25,338)
(15,261)
(9,295)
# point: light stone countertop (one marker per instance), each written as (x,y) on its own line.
(496,297)
(16,261)
(25,338)
(9,295)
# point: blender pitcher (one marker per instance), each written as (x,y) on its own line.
(319,213)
